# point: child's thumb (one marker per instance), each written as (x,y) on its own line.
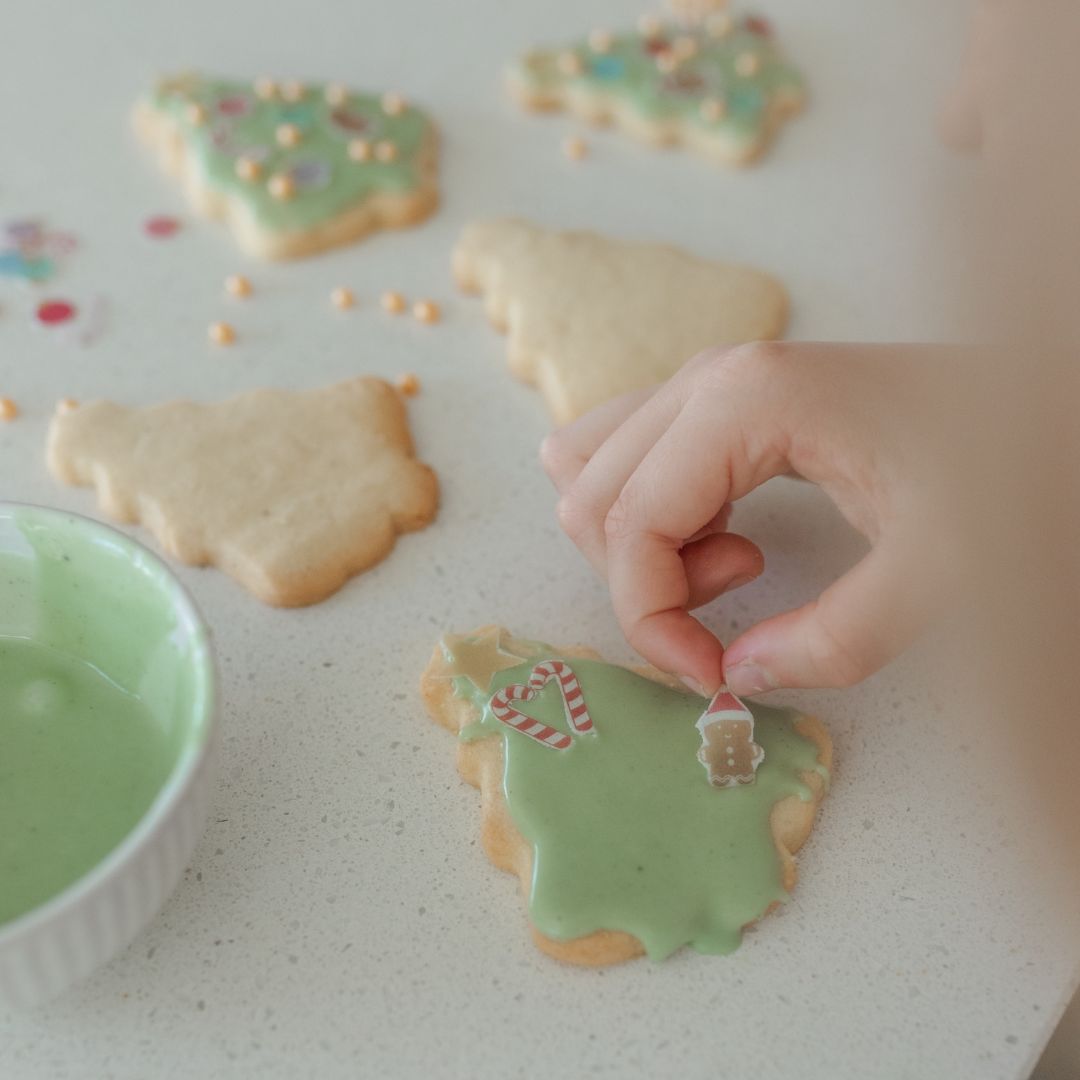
(854,628)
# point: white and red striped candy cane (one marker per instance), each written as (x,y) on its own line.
(577,713)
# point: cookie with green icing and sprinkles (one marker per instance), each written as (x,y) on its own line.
(293,168)
(595,796)
(722,87)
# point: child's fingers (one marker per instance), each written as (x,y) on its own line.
(856,626)
(668,498)
(564,453)
(585,505)
(717,564)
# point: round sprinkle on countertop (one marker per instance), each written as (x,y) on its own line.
(8,409)
(408,385)
(392,302)
(575,148)
(66,405)
(221,333)
(342,298)
(237,285)
(426,311)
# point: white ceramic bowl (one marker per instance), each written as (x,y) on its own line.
(107,580)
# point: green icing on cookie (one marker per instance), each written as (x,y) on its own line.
(734,85)
(222,121)
(627,834)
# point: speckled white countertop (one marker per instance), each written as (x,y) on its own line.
(338,918)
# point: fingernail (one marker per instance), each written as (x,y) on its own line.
(694,685)
(738,583)
(748,677)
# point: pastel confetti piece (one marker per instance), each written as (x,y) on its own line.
(161,226)
(55,312)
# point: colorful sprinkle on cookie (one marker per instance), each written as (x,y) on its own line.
(655,83)
(294,169)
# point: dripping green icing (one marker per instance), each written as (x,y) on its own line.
(350,182)
(627,833)
(629,72)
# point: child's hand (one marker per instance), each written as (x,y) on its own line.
(647,482)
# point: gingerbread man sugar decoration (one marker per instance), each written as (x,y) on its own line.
(728,751)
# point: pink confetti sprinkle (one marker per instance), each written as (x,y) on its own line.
(161,226)
(55,312)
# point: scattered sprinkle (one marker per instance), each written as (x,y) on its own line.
(575,148)
(426,311)
(386,151)
(8,409)
(282,186)
(196,114)
(221,333)
(288,135)
(247,168)
(393,104)
(336,93)
(266,89)
(66,405)
(293,90)
(161,226)
(360,150)
(55,312)
(408,385)
(237,285)
(342,298)
(392,302)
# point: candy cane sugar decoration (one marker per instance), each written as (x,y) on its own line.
(577,713)
(728,751)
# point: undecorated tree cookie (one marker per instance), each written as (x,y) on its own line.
(292,168)
(720,85)
(289,492)
(590,317)
(602,791)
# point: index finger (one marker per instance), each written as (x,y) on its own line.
(703,460)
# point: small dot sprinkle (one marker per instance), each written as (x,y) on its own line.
(161,226)
(247,168)
(221,333)
(237,285)
(393,104)
(282,186)
(293,90)
(359,150)
(575,148)
(386,151)
(266,89)
(426,311)
(8,409)
(66,405)
(55,312)
(392,302)
(408,385)
(336,94)
(288,135)
(342,298)
(196,114)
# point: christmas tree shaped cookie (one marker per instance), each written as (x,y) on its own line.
(292,168)
(722,87)
(593,793)
(289,492)
(590,317)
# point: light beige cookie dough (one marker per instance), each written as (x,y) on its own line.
(589,317)
(293,168)
(289,492)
